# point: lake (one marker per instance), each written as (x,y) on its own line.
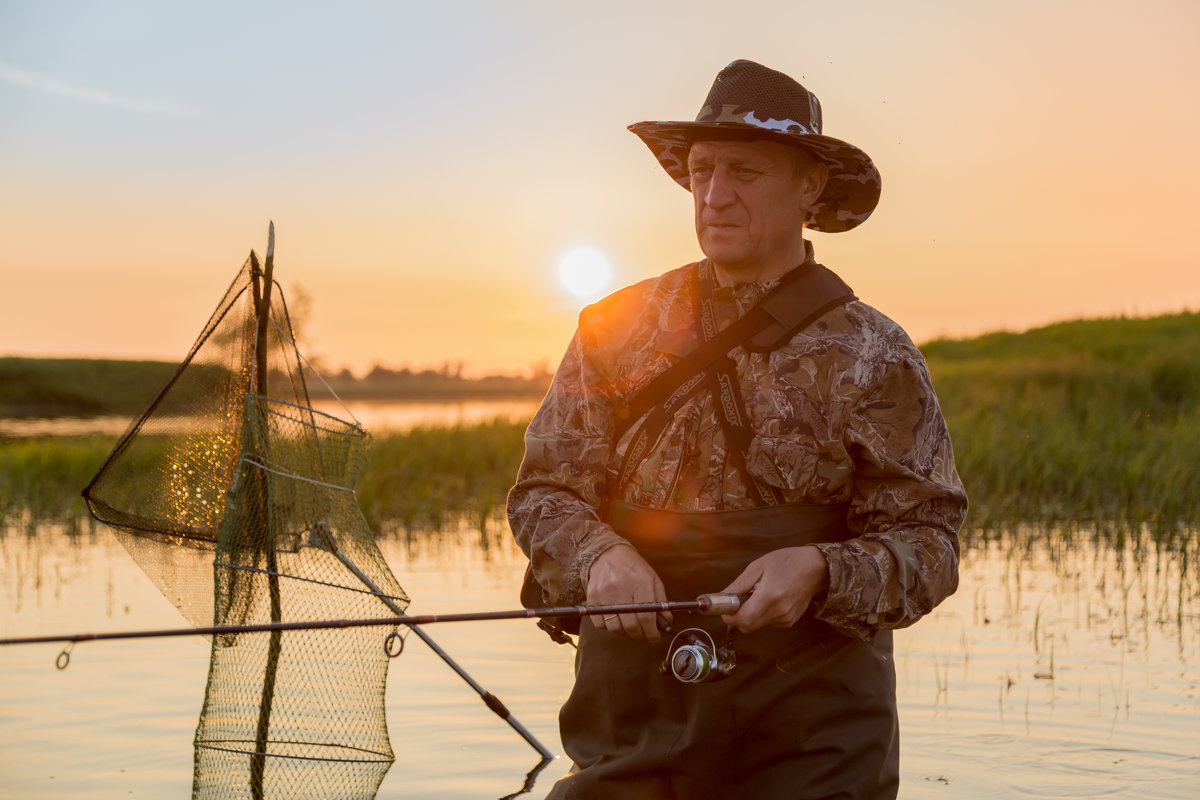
(1066,666)
(374,415)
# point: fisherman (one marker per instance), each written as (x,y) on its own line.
(691,443)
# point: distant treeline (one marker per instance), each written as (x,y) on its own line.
(1080,423)
(78,387)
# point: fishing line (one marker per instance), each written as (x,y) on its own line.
(308,364)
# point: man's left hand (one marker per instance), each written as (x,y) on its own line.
(782,583)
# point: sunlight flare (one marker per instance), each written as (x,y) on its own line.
(585,272)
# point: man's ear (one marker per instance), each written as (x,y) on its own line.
(813,183)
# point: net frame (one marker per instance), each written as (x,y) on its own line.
(226,488)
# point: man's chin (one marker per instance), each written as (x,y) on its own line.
(722,252)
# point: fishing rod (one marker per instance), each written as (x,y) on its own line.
(707,604)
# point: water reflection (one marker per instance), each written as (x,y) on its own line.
(24,428)
(377,416)
(383,416)
(1067,665)
(1065,661)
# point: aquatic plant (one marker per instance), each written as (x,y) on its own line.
(1094,423)
(43,477)
(427,475)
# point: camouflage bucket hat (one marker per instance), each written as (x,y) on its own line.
(750,100)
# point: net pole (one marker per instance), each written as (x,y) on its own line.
(262,296)
(490,700)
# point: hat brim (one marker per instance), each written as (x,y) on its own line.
(850,195)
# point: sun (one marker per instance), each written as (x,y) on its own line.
(584,272)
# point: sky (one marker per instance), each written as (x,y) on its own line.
(428,165)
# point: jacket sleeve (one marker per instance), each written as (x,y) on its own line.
(554,507)
(907,506)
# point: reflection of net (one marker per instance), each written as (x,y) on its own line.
(240,507)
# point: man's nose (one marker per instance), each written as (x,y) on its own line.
(719,191)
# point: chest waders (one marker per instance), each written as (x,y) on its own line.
(807,713)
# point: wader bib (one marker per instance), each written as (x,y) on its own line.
(807,713)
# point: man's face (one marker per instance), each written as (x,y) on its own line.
(751,201)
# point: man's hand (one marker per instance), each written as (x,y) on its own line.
(621,575)
(783,583)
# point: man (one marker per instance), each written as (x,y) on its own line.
(805,464)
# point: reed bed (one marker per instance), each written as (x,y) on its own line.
(421,478)
(41,479)
(424,477)
(1092,423)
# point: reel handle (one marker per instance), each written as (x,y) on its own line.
(720,603)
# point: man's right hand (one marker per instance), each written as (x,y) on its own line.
(620,575)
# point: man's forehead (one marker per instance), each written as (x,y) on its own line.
(738,148)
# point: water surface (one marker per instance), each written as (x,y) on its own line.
(377,416)
(1066,670)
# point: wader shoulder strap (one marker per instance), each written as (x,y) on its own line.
(724,385)
(803,295)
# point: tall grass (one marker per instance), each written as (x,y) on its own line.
(1095,421)
(1092,422)
(420,478)
(425,476)
(44,477)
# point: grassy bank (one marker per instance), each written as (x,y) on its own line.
(423,477)
(1095,420)
(78,387)
(45,476)
(1092,421)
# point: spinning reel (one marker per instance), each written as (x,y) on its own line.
(695,657)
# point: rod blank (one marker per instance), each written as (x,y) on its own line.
(711,604)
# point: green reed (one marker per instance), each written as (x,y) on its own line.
(424,477)
(44,477)
(1094,422)
(428,475)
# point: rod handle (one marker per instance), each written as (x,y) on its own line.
(720,603)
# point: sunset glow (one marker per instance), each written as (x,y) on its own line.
(428,166)
(585,272)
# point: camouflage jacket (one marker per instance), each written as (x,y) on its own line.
(843,413)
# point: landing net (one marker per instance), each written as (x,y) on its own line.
(236,497)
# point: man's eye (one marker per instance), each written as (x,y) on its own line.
(747,174)
(701,173)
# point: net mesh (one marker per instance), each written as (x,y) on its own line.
(236,498)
